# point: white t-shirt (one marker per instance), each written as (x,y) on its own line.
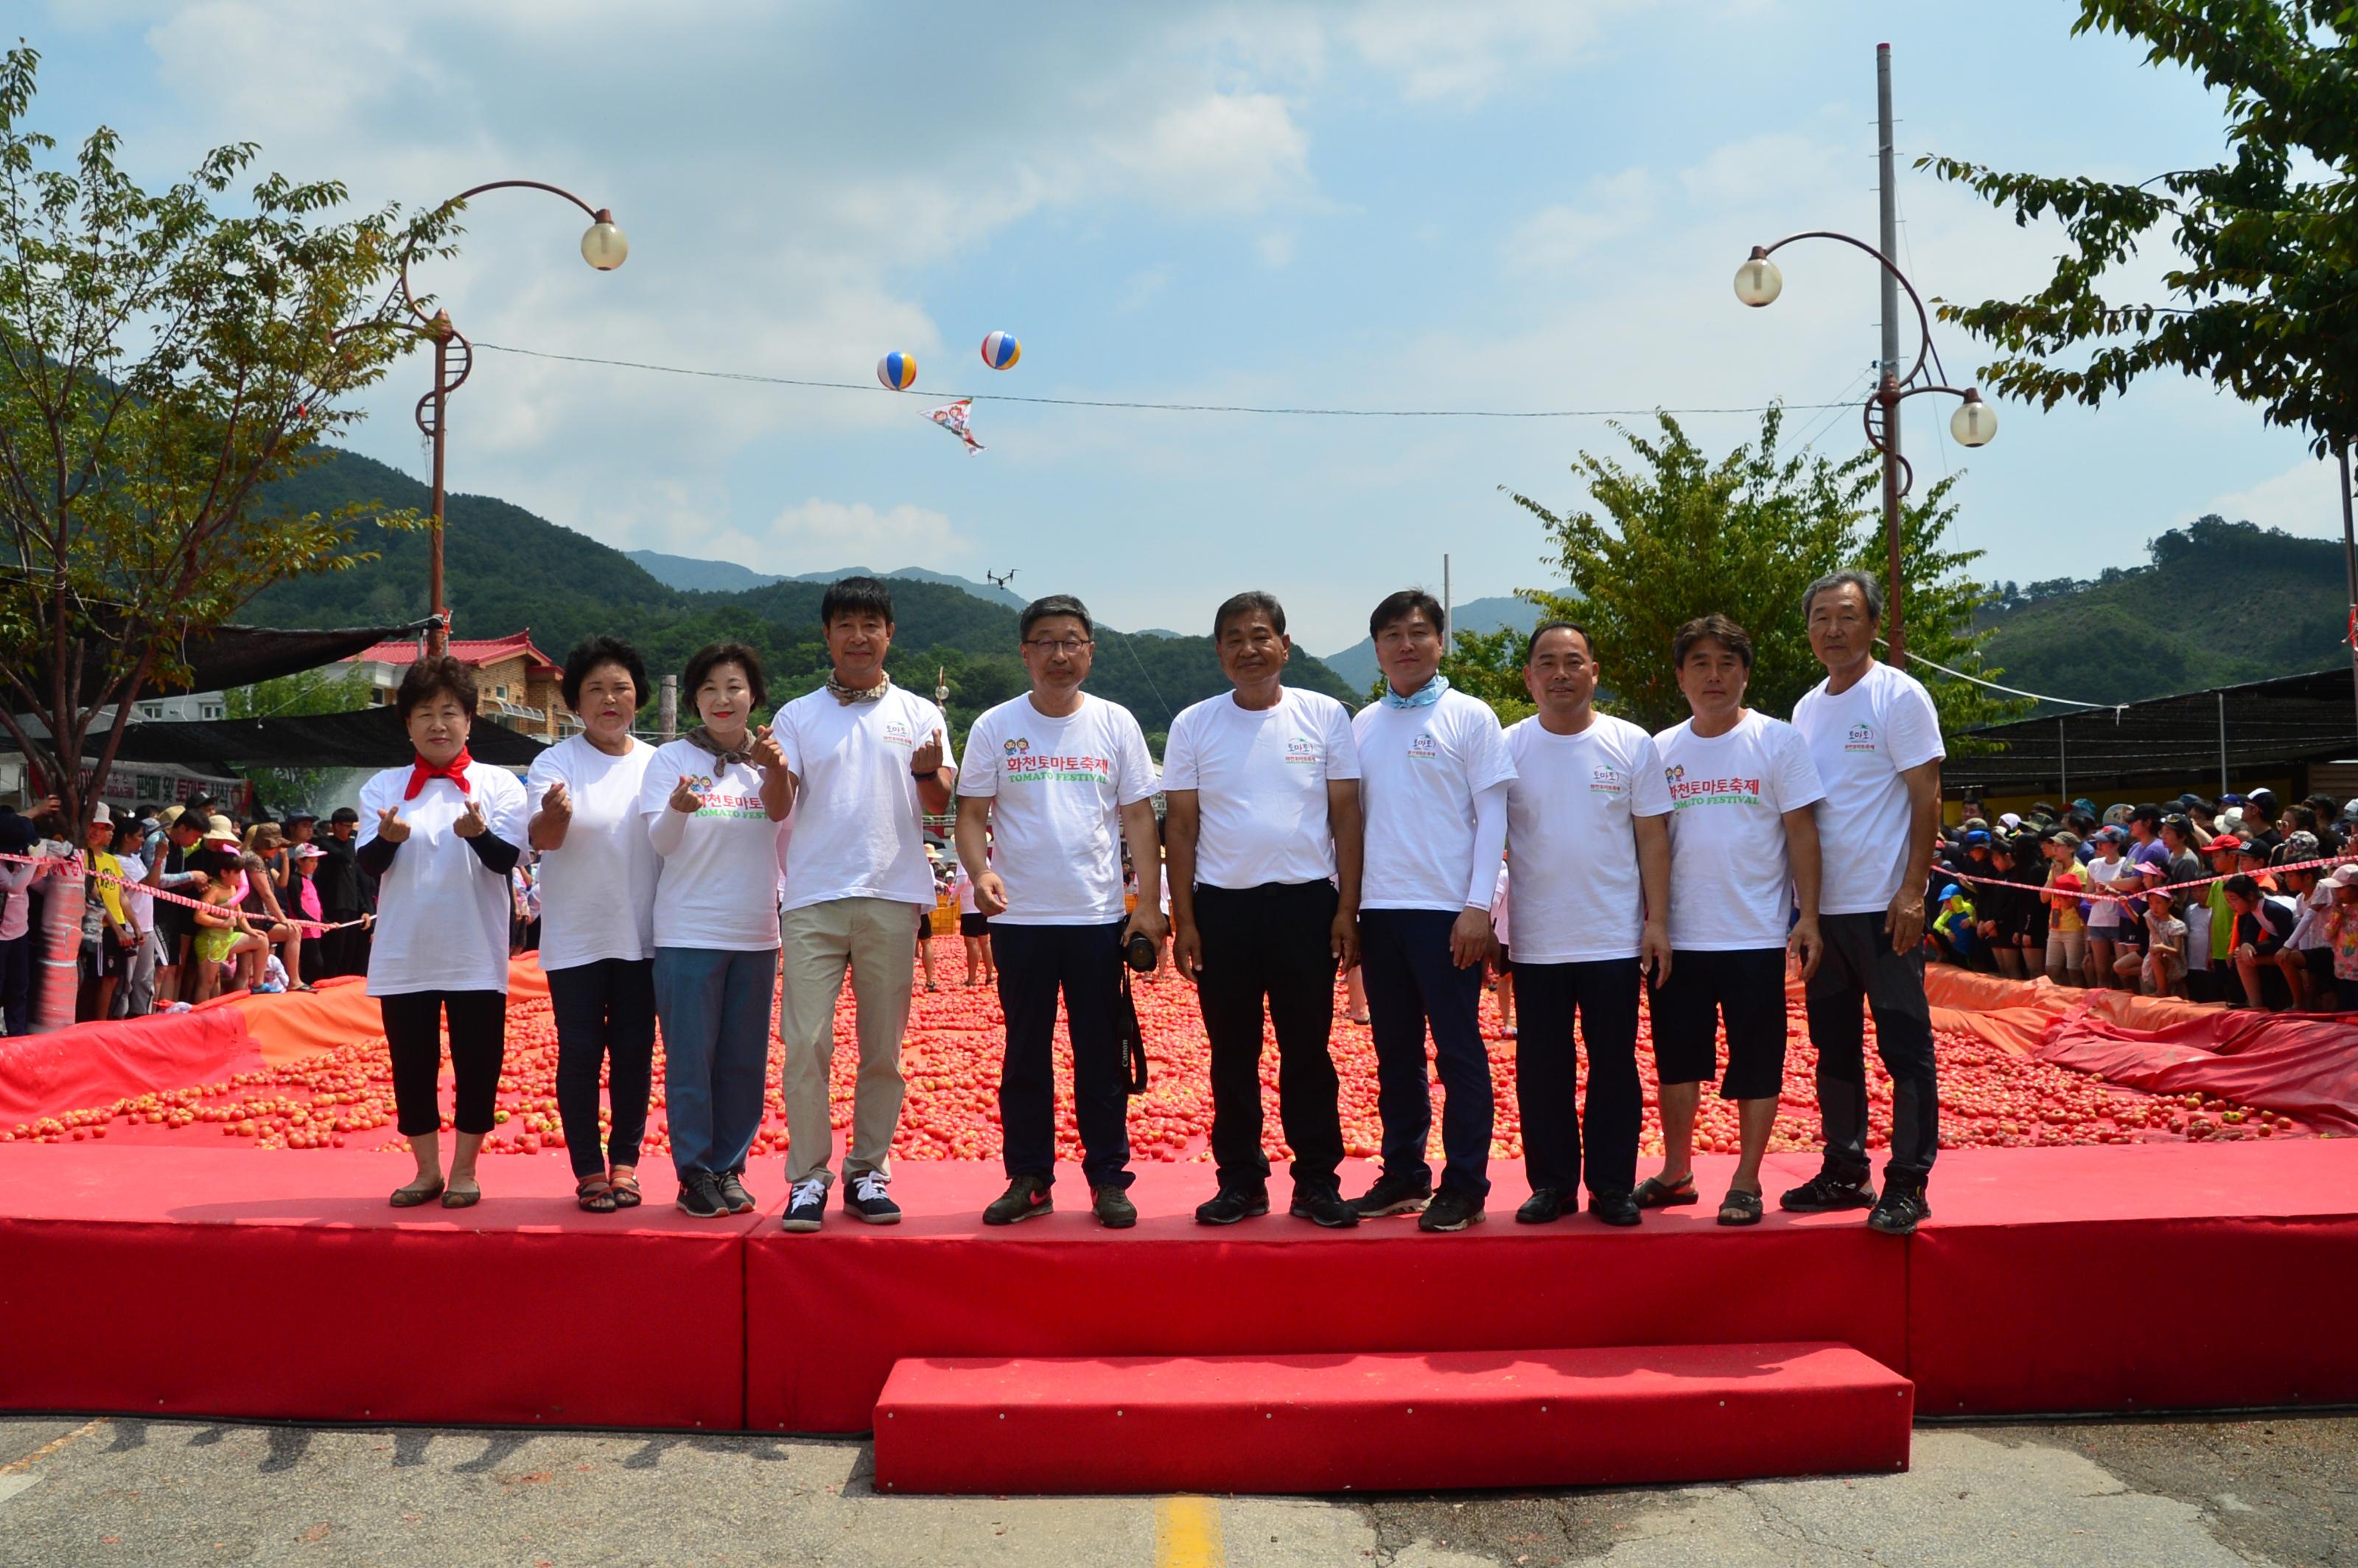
(1420,769)
(1861,742)
(1730,884)
(718,891)
(2104,914)
(139,905)
(856,808)
(598,891)
(1056,788)
(1578,897)
(962,886)
(1260,782)
(441,913)
(1501,916)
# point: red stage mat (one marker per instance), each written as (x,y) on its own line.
(1439,1420)
(2149,1277)
(242,1284)
(828,1315)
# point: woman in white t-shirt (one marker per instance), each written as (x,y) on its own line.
(2103,913)
(440,836)
(712,801)
(597,895)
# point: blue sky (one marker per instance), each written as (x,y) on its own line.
(1511,205)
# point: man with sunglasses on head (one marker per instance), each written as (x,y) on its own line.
(1057,781)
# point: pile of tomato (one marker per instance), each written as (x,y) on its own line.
(343,1097)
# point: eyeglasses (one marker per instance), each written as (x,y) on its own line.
(1068,647)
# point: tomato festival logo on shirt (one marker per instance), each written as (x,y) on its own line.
(1861,739)
(1709,791)
(1424,745)
(1016,746)
(896,732)
(1301,750)
(1024,765)
(1607,779)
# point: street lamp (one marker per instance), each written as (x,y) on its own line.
(603,247)
(1758,283)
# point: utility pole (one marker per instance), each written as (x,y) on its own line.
(667,710)
(2350,559)
(1447,609)
(1889,236)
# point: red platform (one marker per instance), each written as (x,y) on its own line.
(167,1282)
(249,1283)
(1444,1421)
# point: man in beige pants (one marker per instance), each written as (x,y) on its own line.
(867,759)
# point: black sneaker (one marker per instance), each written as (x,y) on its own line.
(1323,1207)
(1544,1207)
(1901,1211)
(699,1196)
(1024,1197)
(1233,1204)
(1827,1190)
(867,1200)
(1113,1208)
(731,1187)
(1452,1208)
(1614,1207)
(1394,1194)
(805,1205)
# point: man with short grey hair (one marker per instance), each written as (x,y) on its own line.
(1875,739)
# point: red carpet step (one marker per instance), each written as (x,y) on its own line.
(1452,1419)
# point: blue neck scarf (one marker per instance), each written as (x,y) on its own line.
(1425,696)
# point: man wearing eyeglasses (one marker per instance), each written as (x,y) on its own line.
(1055,781)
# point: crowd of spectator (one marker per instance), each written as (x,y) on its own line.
(2211,901)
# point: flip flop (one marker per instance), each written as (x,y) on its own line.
(1655,1192)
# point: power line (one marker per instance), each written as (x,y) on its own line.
(1140,404)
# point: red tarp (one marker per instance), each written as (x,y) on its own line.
(2298,1063)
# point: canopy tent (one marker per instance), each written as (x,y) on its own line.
(224,657)
(368,738)
(2263,726)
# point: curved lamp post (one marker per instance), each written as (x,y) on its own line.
(603,247)
(1758,283)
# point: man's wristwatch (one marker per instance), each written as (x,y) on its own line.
(933,772)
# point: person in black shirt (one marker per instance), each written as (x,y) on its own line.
(344,895)
(2262,924)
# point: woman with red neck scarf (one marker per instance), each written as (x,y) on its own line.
(440,835)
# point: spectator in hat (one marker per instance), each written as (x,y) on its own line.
(222,932)
(2221,852)
(2260,825)
(2341,929)
(2164,967)
(172,866)
(108,936)
(2324,811)
(2106,873)
(134,992)
(343,896)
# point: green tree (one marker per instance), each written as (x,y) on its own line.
(1678,534)
(2264,301)
(163,356)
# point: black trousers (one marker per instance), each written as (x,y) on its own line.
(1084,962)
(1270,944)
(345,952)
(1603,995)
(605,1012)
(413,1038)
(1414,985)
(1861,973)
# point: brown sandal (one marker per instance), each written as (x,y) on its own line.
(1656,1192)
(625,1191)
(595,1194)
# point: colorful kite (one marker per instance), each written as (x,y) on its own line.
(952,416)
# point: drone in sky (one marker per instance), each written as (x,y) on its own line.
(1001,580)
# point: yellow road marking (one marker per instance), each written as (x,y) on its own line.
(46,1449)
(1188,1533)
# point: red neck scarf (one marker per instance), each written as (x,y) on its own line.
(455,770)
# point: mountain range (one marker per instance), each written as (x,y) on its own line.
(506,569)
(701,576)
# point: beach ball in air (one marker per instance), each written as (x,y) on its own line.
(1001,350)
(897,371)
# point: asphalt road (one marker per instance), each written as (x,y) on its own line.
(2281,1490)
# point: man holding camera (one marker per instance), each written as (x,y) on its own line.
(1261,789)
(1054,783)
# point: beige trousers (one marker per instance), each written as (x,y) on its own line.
(875,939)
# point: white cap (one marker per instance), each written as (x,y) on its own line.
(99,814)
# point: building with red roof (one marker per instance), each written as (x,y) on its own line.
(515,682)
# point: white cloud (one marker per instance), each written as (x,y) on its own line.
(1553,238)
(1463,54)
(2304,499)
(819,534)
(1235,153)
